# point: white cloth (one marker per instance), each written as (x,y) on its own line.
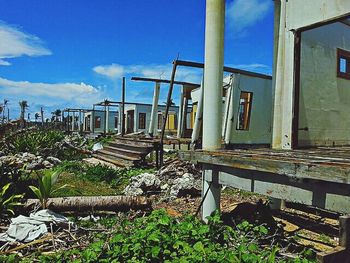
(27,229)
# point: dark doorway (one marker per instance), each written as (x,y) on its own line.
(130,121)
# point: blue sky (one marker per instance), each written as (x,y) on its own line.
(66,53)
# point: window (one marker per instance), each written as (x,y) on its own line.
(142,120)
(245,105)
(343,64)
(97,122)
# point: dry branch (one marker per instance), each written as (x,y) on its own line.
(92,203)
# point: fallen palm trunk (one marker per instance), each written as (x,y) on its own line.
(92,203)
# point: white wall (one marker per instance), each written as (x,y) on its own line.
(261,112)
(324,98)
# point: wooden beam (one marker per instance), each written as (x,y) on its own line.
(195,85)
(226,69)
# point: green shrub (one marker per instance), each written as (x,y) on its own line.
(161,238)
(36,141)
(8,202)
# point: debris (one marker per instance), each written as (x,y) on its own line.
(185,185)
(142,184)
(92,203)
(27,229)
(97,146)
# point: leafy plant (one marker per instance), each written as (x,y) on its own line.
(7,203)
(46,187)
(36,141)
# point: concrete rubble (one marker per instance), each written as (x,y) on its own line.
(175,179)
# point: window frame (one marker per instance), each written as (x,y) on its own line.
(250,103)
(343,54)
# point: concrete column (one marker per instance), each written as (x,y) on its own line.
(152,129)
(227,103)
(93,119)
(284,83)
(231,110)
(107,119)
(73,121)
(180,118)
(211,191)
(119,119)
(212,110)
(184,117)
(198,119)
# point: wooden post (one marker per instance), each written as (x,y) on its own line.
(340,253)
(171,87)
(42,116)
(123,107)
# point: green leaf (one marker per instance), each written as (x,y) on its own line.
(36,191)
(155,251)
(199,246)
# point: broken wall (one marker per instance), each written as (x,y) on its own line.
(324,104)
(259,131)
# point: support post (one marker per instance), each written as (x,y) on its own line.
(68,121)
(227,104)
(152,125)
(73,121)
(230,117)
(211,191)
(212,110)
(341,253)
(107,119)
(42,116)
(123,107)
(80,122)
(181,106)
(93,119)
(198,119)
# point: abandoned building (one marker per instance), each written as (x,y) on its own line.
(137,118)
(308,161)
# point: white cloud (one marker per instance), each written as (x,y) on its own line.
(50,94)
(115,71)
(254,67)
(242,14)
(16,43)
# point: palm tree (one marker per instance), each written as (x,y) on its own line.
(57,114)
(36,116)
(4,106)
(24,105)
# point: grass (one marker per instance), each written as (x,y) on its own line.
(94,180)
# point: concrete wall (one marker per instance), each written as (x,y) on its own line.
(259,131)
(324,98)
(101,114)
(141,108)
(303,13)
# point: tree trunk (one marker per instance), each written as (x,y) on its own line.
(92,203)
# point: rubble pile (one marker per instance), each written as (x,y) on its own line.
(27,161)
(175,179)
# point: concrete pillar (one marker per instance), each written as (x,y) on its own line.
(93,119)
(198,119)
(211,191)
(212,110)
(231,110)
(107,119)
(73,121)
(119,119)
(284,83)
(227,103)
(184,117)
(180,118)
(152,129)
